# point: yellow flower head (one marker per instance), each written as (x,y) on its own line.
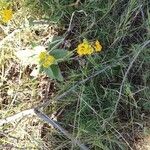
(6,15)
(45,59)
(42,56)
(85,48)
(97,46)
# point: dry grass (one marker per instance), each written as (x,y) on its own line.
(18,90)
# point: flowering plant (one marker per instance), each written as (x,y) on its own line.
(46,61)
(49,62)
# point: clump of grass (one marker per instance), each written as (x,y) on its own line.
(96,116)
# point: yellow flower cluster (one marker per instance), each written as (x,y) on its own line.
(97,46)
(87,48)
(6,15)
(45,59)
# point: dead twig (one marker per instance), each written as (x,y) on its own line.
(50,121)
(75,4)
(45,118)
(17,117)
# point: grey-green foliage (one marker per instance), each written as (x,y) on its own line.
(122,27)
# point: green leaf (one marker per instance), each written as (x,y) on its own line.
(56,72)
(146,105)
(59,53)
(41,69)
(49,72)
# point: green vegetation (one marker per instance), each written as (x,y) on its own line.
(108,107)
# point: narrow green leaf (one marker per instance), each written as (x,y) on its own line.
(55,43)
(40,69)
(49,72)
(59,53)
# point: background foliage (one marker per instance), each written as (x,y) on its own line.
(110,110)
